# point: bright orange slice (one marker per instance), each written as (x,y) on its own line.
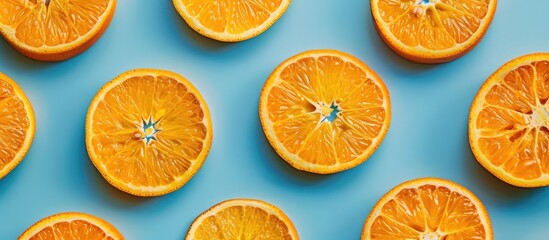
(17,125)
(432,31)
(509,122)
(71,226)
(242,219)
(428,209)
(324,111)
(54,30)
(231,20)
(148,131)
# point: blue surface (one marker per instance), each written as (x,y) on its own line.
(428,134)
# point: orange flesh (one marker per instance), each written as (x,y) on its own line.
(300,106)
(77,229)
(120,130)
(231,16)
(437,25)
(428,212)
(14,124)
(37,24)
(513,124)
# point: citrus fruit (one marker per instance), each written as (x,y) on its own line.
(324,111)
(231,20)
(432,31)
(428,209)
(509,122)
(148,131)
(71,226)
(17,125)
(242,219)
(54,30)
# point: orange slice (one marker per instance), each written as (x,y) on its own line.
(428,209)
(71,226)
(242,219)
(17,125)
(54,30)
(324,111)
(432,31)
(148,132)
(509,122)
(231,20)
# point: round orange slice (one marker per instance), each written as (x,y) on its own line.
(509,122)
(428,209)
(71,226)
(17,125)
(54,30)
(231,20)
(432,31)
(148,132)
(242,219)
(324,111)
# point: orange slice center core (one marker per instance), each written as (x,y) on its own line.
(148,130)
(430,236)
(540,117)
(329,112)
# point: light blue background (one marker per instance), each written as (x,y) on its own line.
(428,134)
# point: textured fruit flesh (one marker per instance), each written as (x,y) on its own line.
(435,24)
(132,151)
(231,16)
(38,24)
(513,123)
(243,222)
(14,124)
(326,110)
(71,230)
(428,212)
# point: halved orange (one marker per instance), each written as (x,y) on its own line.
(231,20)
(71,226)
(324,111)
(509,122)
(428,209)
(432,31)
(242,219)
(54,30)
(148,131)
(17,125)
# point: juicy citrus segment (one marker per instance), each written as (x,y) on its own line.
(509,122)
(242,219)
(428,209)
(56,29)
(324,111)
(231,20)
(71,226)
(17,125)
(148,131)
(432,31)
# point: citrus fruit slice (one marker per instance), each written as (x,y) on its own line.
(71,226)
(432,31)
(428,209)
(242,219)
(231,20)
(509,122)
(324,111)
(17,125)
(54,30)
(148,131)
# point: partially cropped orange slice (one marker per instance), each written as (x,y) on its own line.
(17,125)
(509,122)
(324,111)
(428,209)
(148,131)
(231,20)
(54,30)
(71,226)
(432,31)
(242,219)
